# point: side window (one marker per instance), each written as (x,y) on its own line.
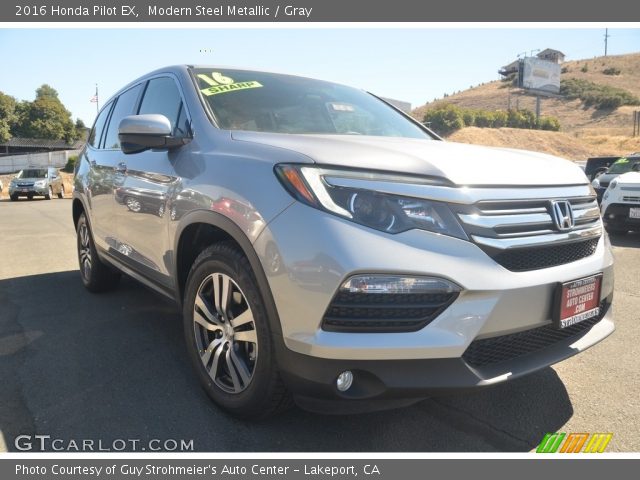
(125,104)
(98,126)
(162,96)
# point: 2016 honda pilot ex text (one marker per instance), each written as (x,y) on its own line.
(327,248)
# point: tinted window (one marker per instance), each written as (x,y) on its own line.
(98,126)
(258,101)
(163,97)
(124,106)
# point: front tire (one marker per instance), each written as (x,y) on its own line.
(61,193)
(49,194)
(96,276)
(228,336)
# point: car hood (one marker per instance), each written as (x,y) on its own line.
(630,178)
(462,164)
(28,180)
(606,178)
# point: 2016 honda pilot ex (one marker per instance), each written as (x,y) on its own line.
(327,248)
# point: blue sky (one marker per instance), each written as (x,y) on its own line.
(411,64)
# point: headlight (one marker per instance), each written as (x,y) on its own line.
(613,184)
(39,183)
(381,211)
(595,183)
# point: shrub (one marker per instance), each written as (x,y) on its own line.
(612,71)
(71,164)
(500,118)
(449,118)
(549,123)
(469,117)
(564,70)
(597,95)
(484,119)
(445,120)
(585,68)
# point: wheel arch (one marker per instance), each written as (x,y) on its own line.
(201,229)
(77,209)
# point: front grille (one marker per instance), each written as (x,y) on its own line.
(508,347)
(521,235)
(384,312)
(631,199)
(535,258)
(30,184)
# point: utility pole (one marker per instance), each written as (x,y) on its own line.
(606,37)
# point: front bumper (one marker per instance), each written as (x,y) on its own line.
(28,191)
(616,216)
(380,384)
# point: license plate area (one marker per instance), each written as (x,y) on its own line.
(634,213)
(577,301)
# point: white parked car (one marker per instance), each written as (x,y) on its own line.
(621,204)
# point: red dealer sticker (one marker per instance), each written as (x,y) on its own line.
(578,300)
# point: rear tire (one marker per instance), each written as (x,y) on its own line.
(96,276)
(228,335)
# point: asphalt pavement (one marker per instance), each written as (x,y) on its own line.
(77,366)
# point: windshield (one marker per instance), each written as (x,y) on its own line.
(267,102)
(623,165)
(33,173)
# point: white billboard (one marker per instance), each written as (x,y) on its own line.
(538,74)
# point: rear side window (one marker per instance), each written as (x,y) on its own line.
(163,97)
(124,106)
(98,126)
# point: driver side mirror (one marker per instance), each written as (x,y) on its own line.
(138,133)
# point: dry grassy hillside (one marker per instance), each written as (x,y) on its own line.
(574,117)
(566,145)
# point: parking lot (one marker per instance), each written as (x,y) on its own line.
(80,366)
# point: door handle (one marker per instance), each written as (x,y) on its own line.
(121,167)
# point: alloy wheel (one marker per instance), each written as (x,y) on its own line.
(85,251)
(225,333)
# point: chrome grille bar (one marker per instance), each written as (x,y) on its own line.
(520,223)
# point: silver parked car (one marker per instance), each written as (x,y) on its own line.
(328,248)
(37,181)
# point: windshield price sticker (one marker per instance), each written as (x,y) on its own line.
(218,83)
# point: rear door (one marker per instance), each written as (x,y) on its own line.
(98,180)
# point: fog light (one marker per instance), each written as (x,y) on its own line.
(344,381)
(611,215)
(391,284)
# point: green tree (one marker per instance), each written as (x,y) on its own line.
(80,130)
(46,91)
(45,117)
(7,116)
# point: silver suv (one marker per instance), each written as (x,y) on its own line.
(327,248)
(36,181)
